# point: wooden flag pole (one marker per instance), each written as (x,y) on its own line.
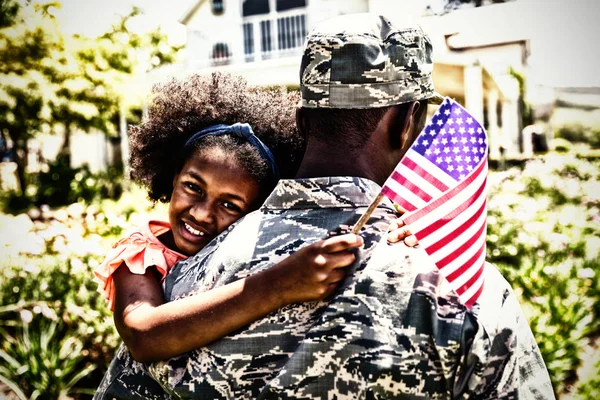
(365,217)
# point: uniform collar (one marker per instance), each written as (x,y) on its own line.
(324,192)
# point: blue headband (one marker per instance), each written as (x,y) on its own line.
(242,131)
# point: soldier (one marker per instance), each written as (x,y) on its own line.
(393,329)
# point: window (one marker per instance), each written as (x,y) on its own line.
(292,31)
(217,7)
(255,7)
(248,41)
(265,33)
(283,5)
(220,54)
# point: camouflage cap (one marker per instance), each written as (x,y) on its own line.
(363,61)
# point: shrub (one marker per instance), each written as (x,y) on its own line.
(543,235)
(579,133)
(61,185)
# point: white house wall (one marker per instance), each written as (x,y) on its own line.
(205,29)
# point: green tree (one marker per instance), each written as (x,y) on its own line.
(52,82)
(8,12)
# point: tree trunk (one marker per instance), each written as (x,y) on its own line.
(64,155)
(20,155)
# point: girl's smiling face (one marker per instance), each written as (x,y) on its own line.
(210,193)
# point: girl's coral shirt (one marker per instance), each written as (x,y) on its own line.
(138,251)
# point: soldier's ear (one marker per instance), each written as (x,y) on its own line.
(400,125)
(300,121)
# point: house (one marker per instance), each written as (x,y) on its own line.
(474,50)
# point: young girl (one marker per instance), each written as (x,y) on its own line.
(212,170)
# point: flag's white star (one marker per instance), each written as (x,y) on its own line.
(454,140)
(457,111)
(460,168)
(455,150)
(448,159)
(452,131)
(458,158)
(435,141)
(450,121)
(468,159)
(447,111)
(439,122)
(446,150)
(466,149)
(438,160)
(469,168)
(425,142)
(428,151)
(476,158)
(474,150)
(459,121)
(444,141)
(473,139)
(461,177)
(463,140)
(469,120)
(478,130)
(442,131)
(450,168)
(471,131)
(437,151)
(480,140)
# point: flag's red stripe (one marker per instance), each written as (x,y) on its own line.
(451,216)
(468,264)
(410,186)
(424,174)
(471,281)
(474,298)
(447,196)
(458,251)
(389,193)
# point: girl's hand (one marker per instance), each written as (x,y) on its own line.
(315,271)
(398,231)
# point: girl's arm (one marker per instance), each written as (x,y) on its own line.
(154,330)
(399,231)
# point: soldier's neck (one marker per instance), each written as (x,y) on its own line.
(323,161)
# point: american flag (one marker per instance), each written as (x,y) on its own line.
(441,181)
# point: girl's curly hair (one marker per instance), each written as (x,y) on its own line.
(180,108)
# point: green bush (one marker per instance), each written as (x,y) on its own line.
(578,133)
(56,328)
(57,334)
(544,235)
(61,185)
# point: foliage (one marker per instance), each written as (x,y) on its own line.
(8,12)
(60,184)
(525,109)
(58,336)
(48,367)
(51,82)
(579,133)
(543,234)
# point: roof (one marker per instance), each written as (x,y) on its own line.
(185,18)
(481,26)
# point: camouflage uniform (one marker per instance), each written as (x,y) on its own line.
(394,329)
